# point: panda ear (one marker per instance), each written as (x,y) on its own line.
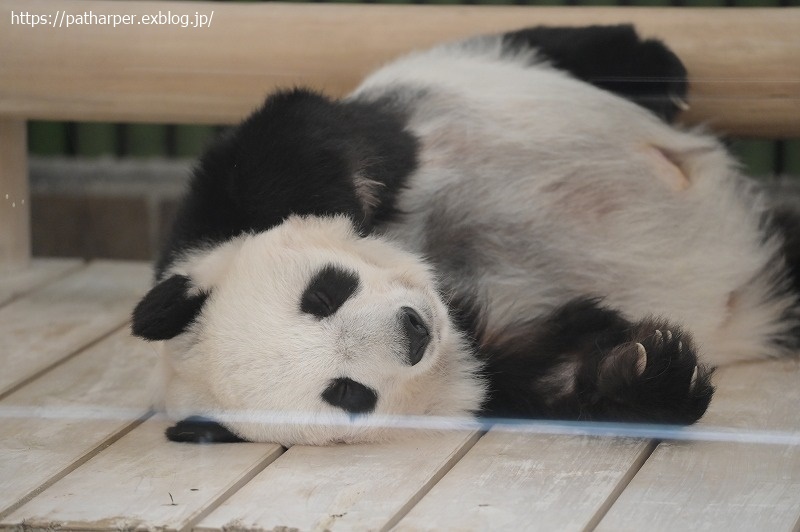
(167,310)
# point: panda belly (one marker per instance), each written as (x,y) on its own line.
(528,210)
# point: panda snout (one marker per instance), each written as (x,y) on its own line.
(416,332)
(351,396)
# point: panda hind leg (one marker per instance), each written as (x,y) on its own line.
(586,362)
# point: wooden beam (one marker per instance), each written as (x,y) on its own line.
(742,62)
(15,230)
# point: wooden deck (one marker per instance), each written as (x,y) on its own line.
(79,448)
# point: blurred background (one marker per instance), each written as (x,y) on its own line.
(109,190)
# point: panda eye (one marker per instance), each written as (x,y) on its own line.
(327,291)
(321,302)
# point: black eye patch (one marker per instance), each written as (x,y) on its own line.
(327,291)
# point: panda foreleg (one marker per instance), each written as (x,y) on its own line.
(197,429)
(613,58)
(587,362)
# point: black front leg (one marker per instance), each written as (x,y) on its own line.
(613,58)
(198,429)
(586,362)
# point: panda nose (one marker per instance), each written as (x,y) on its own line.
(416,333)
(351,396)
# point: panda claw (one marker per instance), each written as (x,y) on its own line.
(679,102)
(669,336)
(694,379)
(657,337)
(641,360)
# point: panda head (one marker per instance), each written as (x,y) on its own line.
(305,332)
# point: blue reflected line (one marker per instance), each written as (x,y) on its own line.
(700,433)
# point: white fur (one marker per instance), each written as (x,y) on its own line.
(562,189)
(587,193)
(253,350)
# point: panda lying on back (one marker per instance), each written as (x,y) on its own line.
(505,226)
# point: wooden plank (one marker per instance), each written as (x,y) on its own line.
(724,485)
(344,487)
(517,481)
(47,325)
(17,283)
(36,444)
(15,227)
(145,482)
(743,66)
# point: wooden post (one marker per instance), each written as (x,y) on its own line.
(15,234)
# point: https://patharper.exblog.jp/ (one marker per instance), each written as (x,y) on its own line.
(67,19)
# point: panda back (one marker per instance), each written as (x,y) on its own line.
(534,187)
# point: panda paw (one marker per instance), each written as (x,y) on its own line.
(198,429)
(656,79)
(652,377)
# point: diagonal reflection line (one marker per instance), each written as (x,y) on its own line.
(574,428)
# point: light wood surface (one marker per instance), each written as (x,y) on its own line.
(19,282)
(742,62)
(75,454)
(342,487)
(47,325)
(37,444)
(519,481)
(15,231)
(725,485)
(143,482)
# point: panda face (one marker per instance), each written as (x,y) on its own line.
(314,330)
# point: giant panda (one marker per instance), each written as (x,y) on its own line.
(503,227)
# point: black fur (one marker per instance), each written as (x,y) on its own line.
(197,429)
(597,347)
(351,396)
(298,154)
(613,58)
(167,310)
(302,153)
(416,333)
(785,220)
(327,291)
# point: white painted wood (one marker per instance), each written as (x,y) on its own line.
(15,224)
(144,481)
(33,449)
(722,485)
(355,487)
(515,481)
(46,325)
(19,282)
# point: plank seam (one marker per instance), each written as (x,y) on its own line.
(623,483)
(91,453)
(53,365)
(45,283)
(239,484)
(435,478)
